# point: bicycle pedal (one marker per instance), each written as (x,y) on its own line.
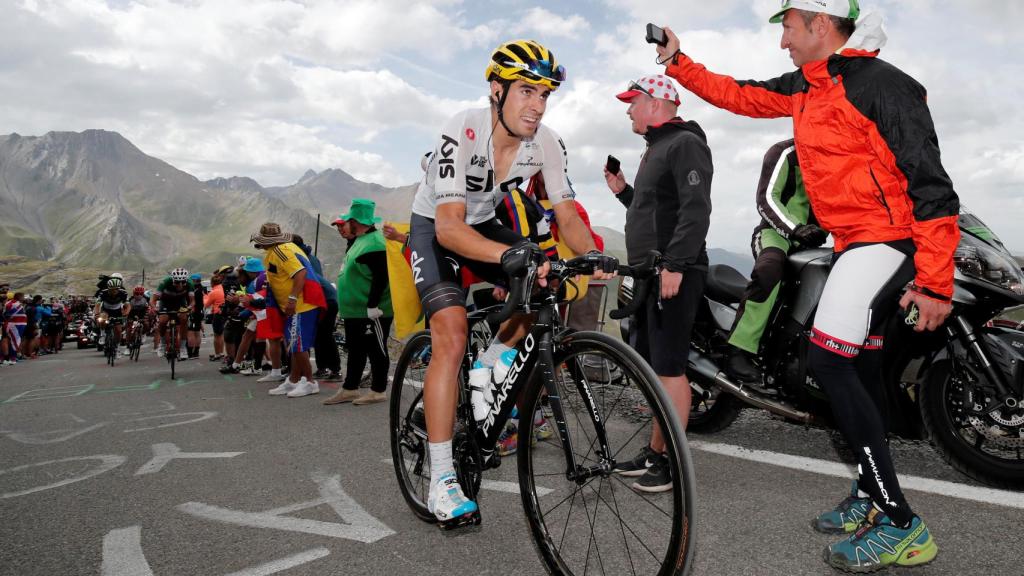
(465,524)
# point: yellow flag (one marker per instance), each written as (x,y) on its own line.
(404,299)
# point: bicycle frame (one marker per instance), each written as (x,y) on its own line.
(535,351)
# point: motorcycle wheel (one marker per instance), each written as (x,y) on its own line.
(979,446)
(714,414)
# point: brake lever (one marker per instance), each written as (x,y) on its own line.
(531,276)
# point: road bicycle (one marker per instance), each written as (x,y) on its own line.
(110,340)
(135,342)
(584,517)
(171,341)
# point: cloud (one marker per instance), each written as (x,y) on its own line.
(972,97)
(201,91)
(546,24)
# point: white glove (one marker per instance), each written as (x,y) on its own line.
(374,313)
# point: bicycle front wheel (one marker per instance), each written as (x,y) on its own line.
(598,522)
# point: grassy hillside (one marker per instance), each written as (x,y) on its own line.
(52,278)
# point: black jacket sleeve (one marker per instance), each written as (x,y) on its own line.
(691,173)
(377,262)
(626,196)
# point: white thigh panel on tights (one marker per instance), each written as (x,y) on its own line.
(844,311)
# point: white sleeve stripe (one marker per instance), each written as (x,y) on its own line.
(770,198)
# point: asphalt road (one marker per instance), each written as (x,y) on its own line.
(119,471)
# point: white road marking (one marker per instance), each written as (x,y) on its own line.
(123,556)
(167,407)
(165,452)
(201,416)
(359,525)
(963,491)
(283,564)
(52,436)
(122,553)
(510,487)
(50,393)
(107,462)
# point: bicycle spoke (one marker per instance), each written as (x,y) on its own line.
(631,531)
(567,518)
(622,529)
(642,496)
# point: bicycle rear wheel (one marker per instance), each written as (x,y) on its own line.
(601,525)
(408,433)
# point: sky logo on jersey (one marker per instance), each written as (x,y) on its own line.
(447,162)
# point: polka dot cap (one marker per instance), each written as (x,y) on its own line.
(655,85)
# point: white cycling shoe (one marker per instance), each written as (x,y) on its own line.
(450,506)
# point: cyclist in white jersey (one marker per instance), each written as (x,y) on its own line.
(453,225)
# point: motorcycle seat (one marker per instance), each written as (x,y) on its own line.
(725,284)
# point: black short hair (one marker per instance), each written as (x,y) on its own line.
(297,240)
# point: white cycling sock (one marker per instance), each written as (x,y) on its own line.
(490,356)
(440,460)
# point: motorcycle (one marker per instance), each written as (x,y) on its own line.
(961,386)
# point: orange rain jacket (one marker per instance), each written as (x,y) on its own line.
(867,149)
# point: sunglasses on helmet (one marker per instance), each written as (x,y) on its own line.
(538,69)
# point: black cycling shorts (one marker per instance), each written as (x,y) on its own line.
(171,304)
(217,321)
(115,313)
(234,328)
(662,335)
(437,270)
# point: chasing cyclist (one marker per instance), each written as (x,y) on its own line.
(453,224)
(112,304)
(175,294)
(138,308)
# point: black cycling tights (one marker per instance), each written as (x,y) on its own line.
(861,293)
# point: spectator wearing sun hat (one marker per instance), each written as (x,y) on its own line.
(364,302)
(296,291)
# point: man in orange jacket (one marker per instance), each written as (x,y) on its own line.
(870,160)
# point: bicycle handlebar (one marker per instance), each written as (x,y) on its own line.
(644,275)
(519,293)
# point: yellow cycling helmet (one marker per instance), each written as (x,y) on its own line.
(525,60)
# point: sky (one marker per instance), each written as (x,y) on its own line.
(271,88)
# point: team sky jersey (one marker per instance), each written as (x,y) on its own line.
(113,301)
(461,167)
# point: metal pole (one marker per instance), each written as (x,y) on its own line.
(316,240)
(143,276)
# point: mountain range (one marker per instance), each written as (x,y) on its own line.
(92,200)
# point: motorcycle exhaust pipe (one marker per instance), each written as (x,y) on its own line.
(709,370)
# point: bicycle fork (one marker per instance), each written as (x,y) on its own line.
(573,470)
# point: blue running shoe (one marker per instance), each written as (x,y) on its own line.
(879,544)
(846,517)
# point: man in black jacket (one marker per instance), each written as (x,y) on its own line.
(668,210)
